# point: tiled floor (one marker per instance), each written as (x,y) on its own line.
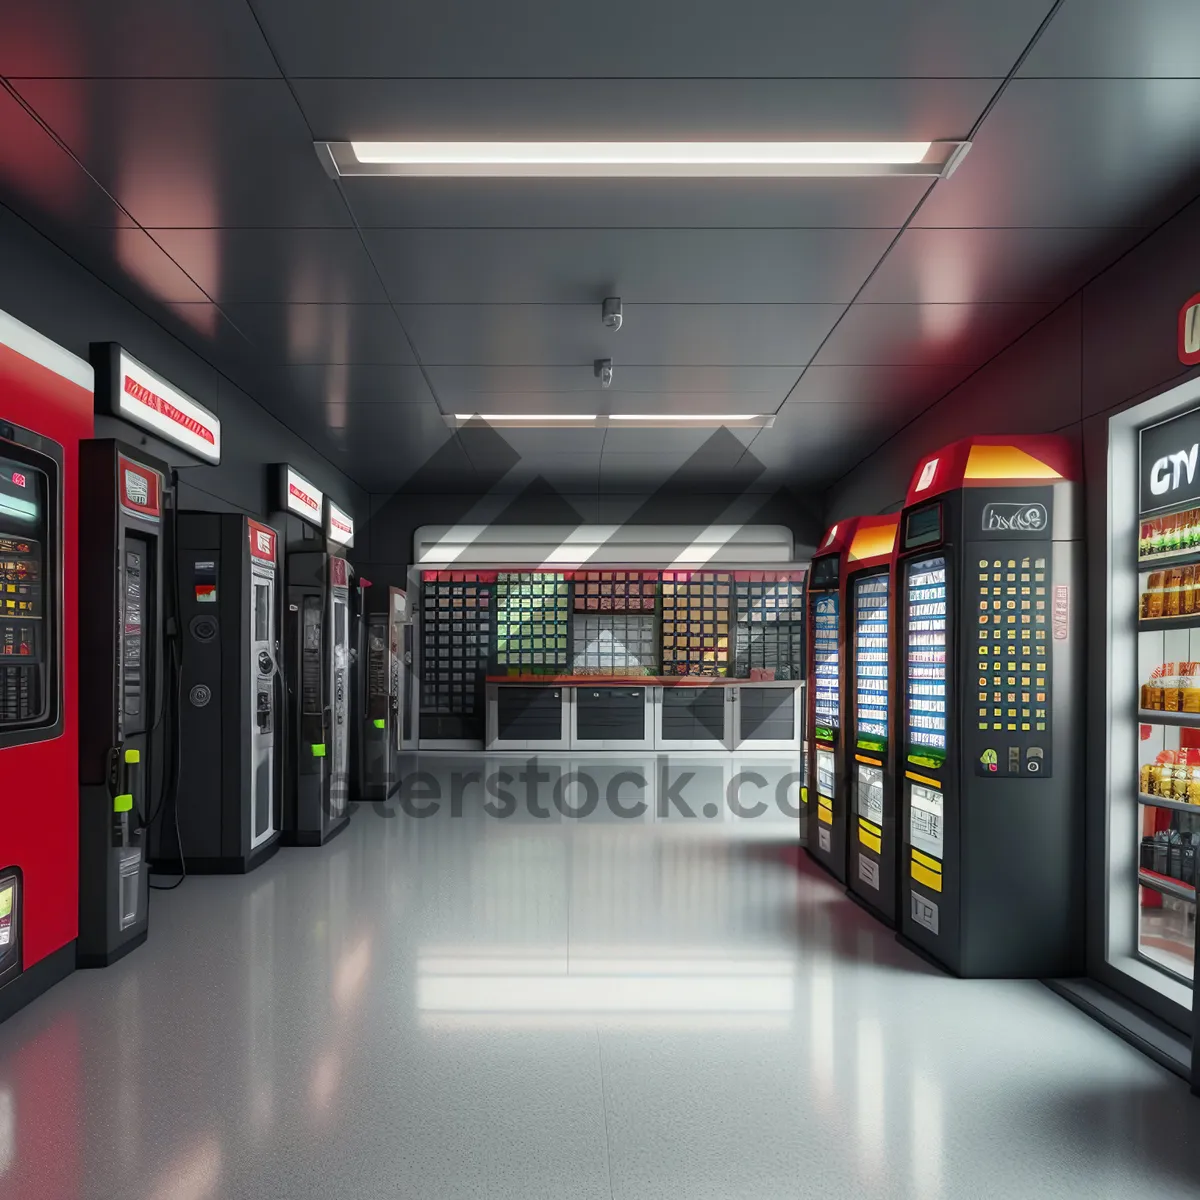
(526,1008)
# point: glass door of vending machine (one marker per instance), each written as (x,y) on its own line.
(871,874)
(826,803)
(1153,719)
(263,684)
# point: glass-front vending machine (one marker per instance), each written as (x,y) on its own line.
(825,815)
(1152,730)
(989,567)
(869,745)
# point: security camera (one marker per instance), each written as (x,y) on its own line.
(611,313)
(602,369)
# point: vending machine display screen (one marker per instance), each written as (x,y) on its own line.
(925,662)
(24,697)
(871,663)
(825,665)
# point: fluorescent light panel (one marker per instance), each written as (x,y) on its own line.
(633,159)
(603,421)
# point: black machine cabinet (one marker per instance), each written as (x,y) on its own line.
(380,709)
(991,704)
(320,686)
(226,814)
(122,681)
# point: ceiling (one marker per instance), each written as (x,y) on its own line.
(168,145)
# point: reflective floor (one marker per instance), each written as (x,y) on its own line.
(469,1005)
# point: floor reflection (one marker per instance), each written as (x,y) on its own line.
(464,1005)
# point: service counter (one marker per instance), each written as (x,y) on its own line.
(579,712)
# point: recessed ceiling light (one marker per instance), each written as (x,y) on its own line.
(600,421)
(590,159)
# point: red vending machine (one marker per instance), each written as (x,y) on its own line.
(870,745)
(826,798)
(989,570)
(45,411)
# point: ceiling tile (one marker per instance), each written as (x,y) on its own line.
(568,335)
(192,153)
(323,333)
(276,265)
(974,266)
(633,109)
(632,203)
(39,177)
(1076,152)
(322,385)
(127,38)
(643,266)
(635,389)
(899,385)
(650,38)
(1114,37)
(942,334)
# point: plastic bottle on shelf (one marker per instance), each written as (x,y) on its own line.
(1159,538)
(1145,539)
(1155,598)
(1173,592)
(1172,689)
(1189,684)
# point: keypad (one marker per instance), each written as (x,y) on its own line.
(1012,659)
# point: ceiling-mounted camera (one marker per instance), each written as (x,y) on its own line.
(611,313)
(602,368)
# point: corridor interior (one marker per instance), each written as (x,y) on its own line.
(456,1002)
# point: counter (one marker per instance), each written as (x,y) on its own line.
(581,712)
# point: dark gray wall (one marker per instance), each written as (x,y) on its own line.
(1110,344)
(50,291)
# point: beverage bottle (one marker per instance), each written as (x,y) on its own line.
(1144,541)
(1155,600)
(1187,591)
(1172,531)
(1159,540)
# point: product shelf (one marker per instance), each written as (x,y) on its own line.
(1166,885)
(1160,802)
(1156,716)
(1156,624)
(1181,558)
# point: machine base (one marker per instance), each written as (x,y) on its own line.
(227,865)
(88,961)
(37,979)
(925,956)
(311,837)
(868,907)
(812,857)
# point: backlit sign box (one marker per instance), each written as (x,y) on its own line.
(1189,332)
(339,525)
(128,389)
(299,496)
(1169,464)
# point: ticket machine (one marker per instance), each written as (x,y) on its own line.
(989,570)
(45,411)
(319,674)
(224,816)
(826,788)
(122,686)
(867,705)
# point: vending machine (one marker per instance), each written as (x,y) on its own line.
(869,744)
(224,816)
(319,673)
(122,692)
(45,412)
(384,681)
(989,567)
(826,795)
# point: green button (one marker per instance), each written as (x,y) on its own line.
(133,756)
(123,803)
(379,723)
(318,750)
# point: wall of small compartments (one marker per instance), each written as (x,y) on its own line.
(616,591)
(769,611)
(695,622)
(531,622)
(456,640)
(603,622)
